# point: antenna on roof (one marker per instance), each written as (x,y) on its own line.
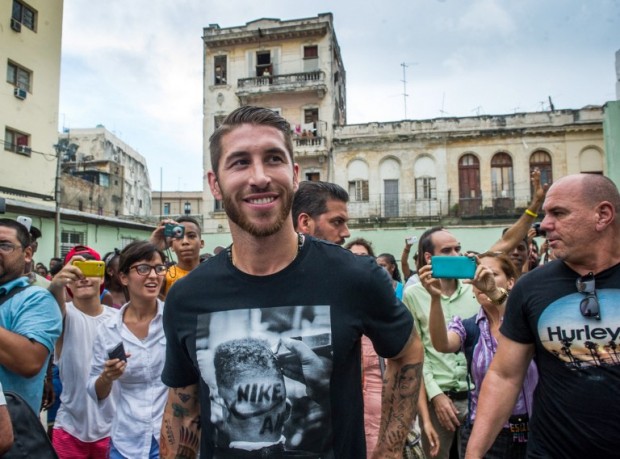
(404,65)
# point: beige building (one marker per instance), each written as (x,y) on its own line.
(172,204)
(293,67)
(103,175)
(465,167)
(30,40)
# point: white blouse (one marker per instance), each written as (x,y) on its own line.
(139,393)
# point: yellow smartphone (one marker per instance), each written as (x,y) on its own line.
(90,268)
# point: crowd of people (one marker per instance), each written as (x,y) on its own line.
(297,341)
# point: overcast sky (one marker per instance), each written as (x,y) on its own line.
(136,66)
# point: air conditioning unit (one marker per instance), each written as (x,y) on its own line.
(20,93)
(16,25)
(24,150)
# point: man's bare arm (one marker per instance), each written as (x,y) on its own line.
(517,232)
(180,427)
(401,389)
(500,389)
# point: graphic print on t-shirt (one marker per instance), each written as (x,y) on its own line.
(268,371)
(582,342)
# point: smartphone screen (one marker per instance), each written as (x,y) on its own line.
(453,267)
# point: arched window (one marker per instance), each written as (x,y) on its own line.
(591,160)
(389,170)
(425,178)
(541,160)
(501,176)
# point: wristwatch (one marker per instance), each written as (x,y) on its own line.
(500,299)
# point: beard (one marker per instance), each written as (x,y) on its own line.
(240,219)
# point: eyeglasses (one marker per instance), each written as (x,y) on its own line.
(8,247)
(589,306)
(145,270)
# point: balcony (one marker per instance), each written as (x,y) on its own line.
(291,82)
(310,147)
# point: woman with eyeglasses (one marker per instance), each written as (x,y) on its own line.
(477,338)
(131,375)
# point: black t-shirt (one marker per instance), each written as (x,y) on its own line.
(575,413)
(326,298)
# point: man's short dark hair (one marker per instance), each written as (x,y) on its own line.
(425,244)
(311,198)
(244,356)
(188,219)
(248,115)
(23,236)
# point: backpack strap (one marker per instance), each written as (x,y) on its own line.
(472,332)
(12,293)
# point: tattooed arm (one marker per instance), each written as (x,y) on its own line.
(180,427)
(401,389)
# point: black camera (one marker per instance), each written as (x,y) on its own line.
(539,232)
(174,231)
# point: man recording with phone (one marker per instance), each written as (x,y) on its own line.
(183,236)
(82,428)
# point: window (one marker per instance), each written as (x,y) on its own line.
(218,206)
(69,239)
(16,141)
(425,188)
(501,176)
(166,208)
(219,64)
(311,117)
(311,52)
(263,63)
(24,14)
(18,76)
(358,190)
(470,195)
(311,58)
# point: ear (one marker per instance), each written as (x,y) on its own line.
(214,185)
(427,257)
(511,283)
(202,244)
(28,254)
(124,278)
(305,223)
(605,215)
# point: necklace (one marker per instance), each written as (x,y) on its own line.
(300,244)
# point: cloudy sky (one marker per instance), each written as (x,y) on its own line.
(136,66)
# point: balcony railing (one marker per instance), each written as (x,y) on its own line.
(279,80)
(406,208)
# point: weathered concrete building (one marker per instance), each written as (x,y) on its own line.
(103,175)
(293,67)
(475,166)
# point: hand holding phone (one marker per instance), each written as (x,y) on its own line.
(118,352)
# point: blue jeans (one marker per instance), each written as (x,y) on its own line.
(153,453)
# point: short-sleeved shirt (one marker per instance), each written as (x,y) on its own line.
(216,304)
(33,313)
(575,403)
(442,372)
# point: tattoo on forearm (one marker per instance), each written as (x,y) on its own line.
(400,399)
(179,411)
(188,444)
(169,432)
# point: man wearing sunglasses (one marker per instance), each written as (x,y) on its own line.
(565,314)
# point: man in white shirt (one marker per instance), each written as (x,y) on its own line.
(82,428)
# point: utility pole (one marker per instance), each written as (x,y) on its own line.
(59,151)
